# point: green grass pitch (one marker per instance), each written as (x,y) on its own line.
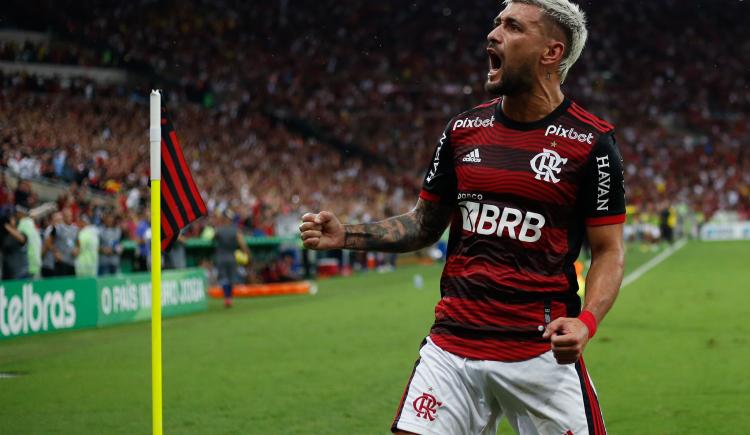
(671,358)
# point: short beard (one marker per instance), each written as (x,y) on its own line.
(512,82)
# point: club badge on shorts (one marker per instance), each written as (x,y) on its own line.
(426,406)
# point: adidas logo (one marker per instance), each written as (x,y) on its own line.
(473,157)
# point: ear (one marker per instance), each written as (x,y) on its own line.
(553,52)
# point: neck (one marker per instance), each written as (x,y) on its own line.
(535,104)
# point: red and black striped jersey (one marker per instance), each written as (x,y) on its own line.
(523,195)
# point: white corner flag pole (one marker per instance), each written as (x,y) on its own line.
(155,140)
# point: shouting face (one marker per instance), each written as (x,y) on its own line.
(519,40)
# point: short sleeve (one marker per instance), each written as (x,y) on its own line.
(440,183)
(603,187)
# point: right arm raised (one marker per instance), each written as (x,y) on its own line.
(420,227)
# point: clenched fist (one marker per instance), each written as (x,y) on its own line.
(321,231)
(569,337)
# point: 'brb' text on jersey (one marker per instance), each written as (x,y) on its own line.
(523,194)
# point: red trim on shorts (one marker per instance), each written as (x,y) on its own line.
(394,426)
(594,412)
(605,220)
(427,196)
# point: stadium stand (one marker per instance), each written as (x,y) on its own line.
(288,107)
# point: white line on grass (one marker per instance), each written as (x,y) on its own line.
(650,264)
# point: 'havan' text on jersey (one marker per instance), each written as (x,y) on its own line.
(523,194)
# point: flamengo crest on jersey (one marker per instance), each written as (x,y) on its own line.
(547,164)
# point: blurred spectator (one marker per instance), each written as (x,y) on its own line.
(208,231)
(176,257)
(14,248)
(281,270)
(24,165)
(22,196)
(110,247)
(87,261)
(143,242)
(667,223)
(48,251)
(5,196)
(61,242)
(28,228)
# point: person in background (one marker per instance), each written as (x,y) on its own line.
(129,225)
(228,238)
(143,242)
(176,257)
(209,229)
(28,228)
(48,256)
(667,222)
(87,261)
(6,198)
(15,258)
(281,270)
(110,245)
(22,195)
(61,242)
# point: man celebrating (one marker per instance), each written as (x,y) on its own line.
(521,179)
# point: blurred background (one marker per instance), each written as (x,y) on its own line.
(287,106)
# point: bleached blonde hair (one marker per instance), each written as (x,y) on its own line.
(571,19)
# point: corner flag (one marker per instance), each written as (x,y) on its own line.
(182,204)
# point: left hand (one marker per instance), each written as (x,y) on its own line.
(569,337)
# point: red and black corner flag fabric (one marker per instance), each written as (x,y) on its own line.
(181,202)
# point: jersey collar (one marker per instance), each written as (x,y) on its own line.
(526,126)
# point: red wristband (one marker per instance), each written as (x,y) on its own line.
(589,320)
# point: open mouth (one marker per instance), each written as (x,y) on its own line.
(495,62)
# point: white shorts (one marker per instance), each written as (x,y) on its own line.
(450,395)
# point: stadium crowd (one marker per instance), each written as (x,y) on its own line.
(392,92)
(383,77)
(75,134)
(61,54)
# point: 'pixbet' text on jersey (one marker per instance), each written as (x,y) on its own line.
(523,195)
(570,133)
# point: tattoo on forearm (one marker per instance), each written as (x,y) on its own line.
(408,232)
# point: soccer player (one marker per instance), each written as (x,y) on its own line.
(521,180)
